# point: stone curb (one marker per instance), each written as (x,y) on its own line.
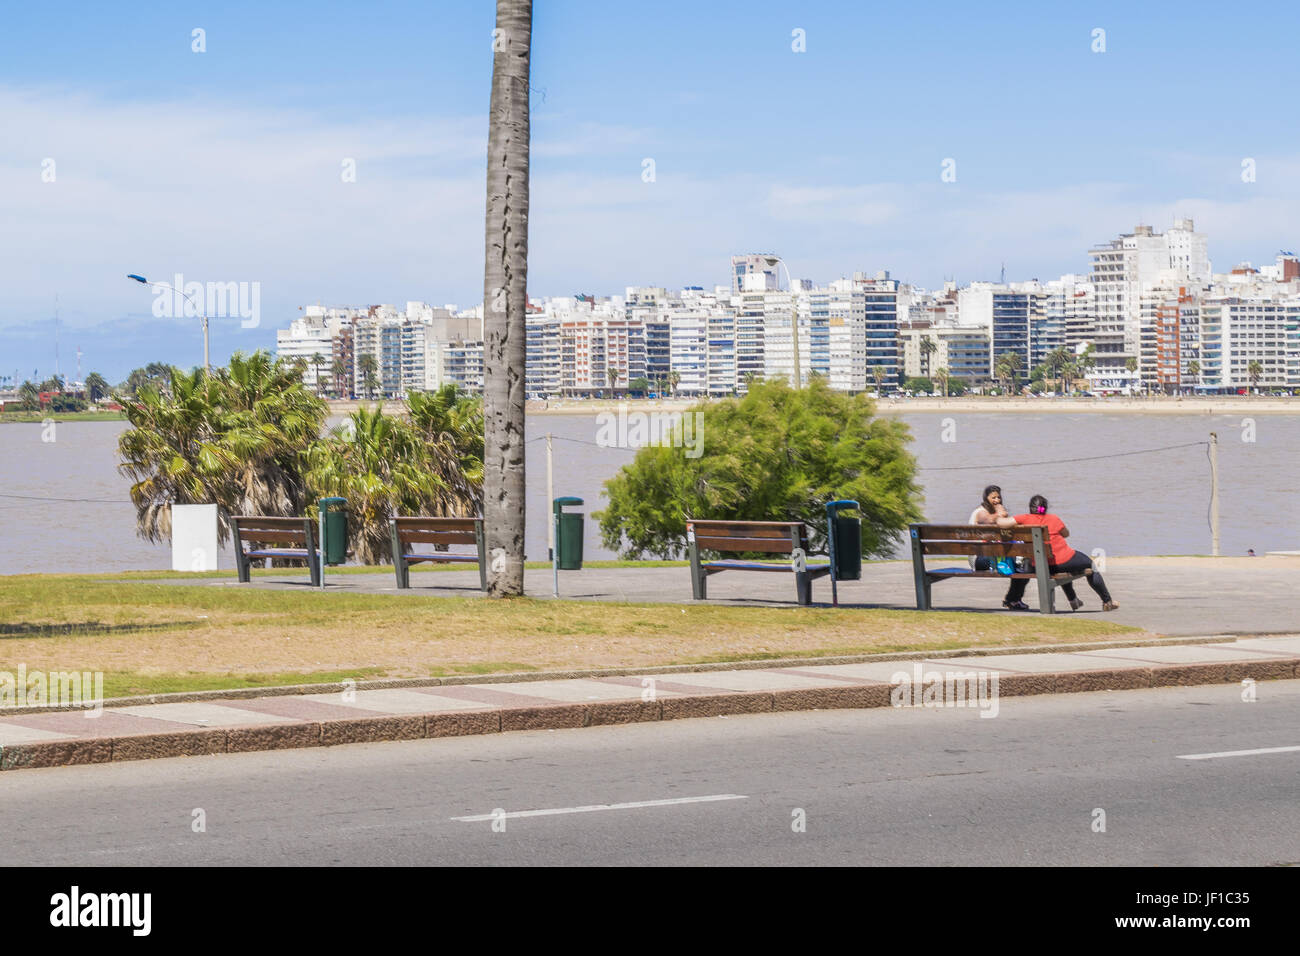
(325,733)
(398,683)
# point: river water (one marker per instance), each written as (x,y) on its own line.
(65,507)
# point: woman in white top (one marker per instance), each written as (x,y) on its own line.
(990,509)
(987,513)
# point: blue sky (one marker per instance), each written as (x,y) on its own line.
(226,165)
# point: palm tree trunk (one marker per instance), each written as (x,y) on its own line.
(505,298)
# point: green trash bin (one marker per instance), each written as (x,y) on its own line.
(334,543)
(568,535)
(846,537)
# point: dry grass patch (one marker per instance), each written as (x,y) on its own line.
(153,632)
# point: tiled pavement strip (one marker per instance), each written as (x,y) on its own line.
(246,723)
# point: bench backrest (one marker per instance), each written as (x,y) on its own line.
(437,530)
(269,530)
(775,537)
(982,541)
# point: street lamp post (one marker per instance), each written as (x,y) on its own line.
(794,314)
(207,368)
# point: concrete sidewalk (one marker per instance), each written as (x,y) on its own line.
(234,722)
(1168,596)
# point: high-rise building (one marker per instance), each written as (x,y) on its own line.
(884,301)
(1123,268)
(755,272)
(1015,317)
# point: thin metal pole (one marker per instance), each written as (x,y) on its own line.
(794,325)
(830,541)
(320,534)
(1214,490)
(550,498)
(555,554)
(207,367)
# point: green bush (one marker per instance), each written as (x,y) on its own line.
(776,454)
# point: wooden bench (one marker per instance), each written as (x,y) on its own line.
(769,537)
(983,541)
(410,533)
(291,538)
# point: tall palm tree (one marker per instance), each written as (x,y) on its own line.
(340,370)
(269,421)
(96,387)
(613,374)
(674,379)
(368,366)
(505,297)
(1194,371)
(1255,371)
(450,422)
(237,438)
(1008,365)
(928,348)
(380,464)
(1058,360)
(942,374)
(878,373)
(317,360)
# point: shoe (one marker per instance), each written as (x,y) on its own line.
(1015,605)
(1076,603)
(1110,606)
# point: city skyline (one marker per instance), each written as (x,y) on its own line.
(179,336)
(1151,315)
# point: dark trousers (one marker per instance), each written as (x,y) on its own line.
(1078,562)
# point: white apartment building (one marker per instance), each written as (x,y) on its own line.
(1124,267)
(841,310)
(779,310)
(454,363)
(689,351)
(963,351)
(309,339)
(1238,332)
(542,366)
(319,337)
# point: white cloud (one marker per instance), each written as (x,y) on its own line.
(231,192)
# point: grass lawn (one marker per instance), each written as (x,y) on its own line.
(154,638)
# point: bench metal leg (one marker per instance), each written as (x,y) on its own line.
(400,567)
(699,583)
(241,562)
(1046,593)
(481,543)
(919,578)
(1043,573)
(803,587)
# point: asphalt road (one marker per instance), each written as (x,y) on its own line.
(874,786)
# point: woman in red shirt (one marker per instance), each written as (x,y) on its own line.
(1063,557)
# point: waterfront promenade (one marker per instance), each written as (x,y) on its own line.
(1172,596)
